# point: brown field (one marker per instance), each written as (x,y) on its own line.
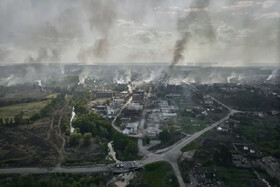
(83,155)
(37,144)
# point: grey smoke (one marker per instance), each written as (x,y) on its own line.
(179,48)
(98,50)
(44,55)
(196,22)
(244,31)
(102,15)
(4,53)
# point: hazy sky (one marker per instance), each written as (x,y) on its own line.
(229,32)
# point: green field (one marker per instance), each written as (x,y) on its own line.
(52,96)
(29,109)
(156,175)
(191,129)
(192,146)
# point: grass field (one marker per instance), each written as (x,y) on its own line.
(156,175)
(191,129)
(29,109)
(52,96)
(192,146)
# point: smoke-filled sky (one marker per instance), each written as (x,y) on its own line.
(227,32)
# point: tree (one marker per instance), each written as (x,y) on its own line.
(170,123)
(75,139)
(87,139)
(19,118)
(81,108)
(103,132)
(7,121)
(85,123)
(93,123)
(107,102)
(11,121)
(148,140)
(125,147)
(164,136)
(131,149)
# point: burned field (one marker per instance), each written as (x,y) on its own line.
(38,144)
(21,147)
(35,139)
(80,155)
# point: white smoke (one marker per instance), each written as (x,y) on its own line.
(122,78)
(232,76)
(39,82)
(273,75)
(83,76)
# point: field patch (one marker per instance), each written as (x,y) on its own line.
(29,109)
(156,174)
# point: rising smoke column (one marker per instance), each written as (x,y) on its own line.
(197,22)
(101,17)
(179,48)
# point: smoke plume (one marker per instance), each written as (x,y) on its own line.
(196,22)
(179,48)
(101,15)
(98,50)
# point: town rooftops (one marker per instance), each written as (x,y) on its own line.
(134,106)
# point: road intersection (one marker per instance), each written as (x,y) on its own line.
(170,154)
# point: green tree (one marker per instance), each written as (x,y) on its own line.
(147,140)
(108,102)
(131,150)
(87,139)
(19,118)
(164,136)
(7,121)
(11,121)
(75,139)
(81,108)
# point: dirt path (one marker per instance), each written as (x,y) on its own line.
(60,135)
(51,127)
(56,128)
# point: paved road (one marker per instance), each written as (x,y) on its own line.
(54,170)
